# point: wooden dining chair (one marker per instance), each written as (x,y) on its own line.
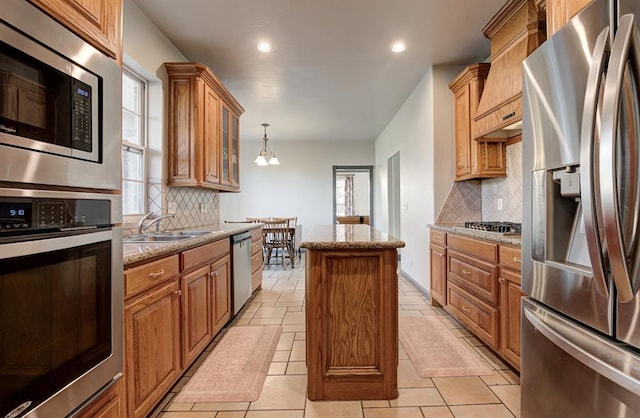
(275,236)
(291,238)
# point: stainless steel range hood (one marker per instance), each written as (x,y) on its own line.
(515,31)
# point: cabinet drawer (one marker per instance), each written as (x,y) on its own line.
(256,261)
(475,247)
(480,317)
(148,275)
(438,238)
(204,254)
(477,277)
(256,247)
(256,235)
(510,257)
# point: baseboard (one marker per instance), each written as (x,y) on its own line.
(418,286)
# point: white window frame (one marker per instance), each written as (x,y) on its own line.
(142,148)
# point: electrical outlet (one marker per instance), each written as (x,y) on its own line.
(203,208)
(499,202)
(171,208)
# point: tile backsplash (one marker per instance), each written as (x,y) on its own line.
(464,203)
(194,207)
(477,200)
(509,189)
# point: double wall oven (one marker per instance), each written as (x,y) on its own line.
(60,217)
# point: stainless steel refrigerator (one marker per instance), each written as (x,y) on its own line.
(581,243)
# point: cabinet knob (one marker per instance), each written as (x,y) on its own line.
(500,280)
(466,309)
(178,292)
(516,260)
(466,272)
(156,274)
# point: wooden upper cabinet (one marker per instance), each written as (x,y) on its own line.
(98,22)
(473,159)
(203,121)
(559,12)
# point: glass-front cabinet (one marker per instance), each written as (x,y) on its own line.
(230,147)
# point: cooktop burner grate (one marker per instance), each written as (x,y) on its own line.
(501,227)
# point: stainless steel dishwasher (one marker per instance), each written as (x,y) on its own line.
(241,253)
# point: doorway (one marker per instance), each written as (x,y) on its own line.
(393,192)
(353,194)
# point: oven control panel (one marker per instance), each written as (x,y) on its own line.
(29,215)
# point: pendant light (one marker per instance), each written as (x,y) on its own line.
(266,156)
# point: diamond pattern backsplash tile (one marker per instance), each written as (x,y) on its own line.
(463,204)
(194,207)
(509,189)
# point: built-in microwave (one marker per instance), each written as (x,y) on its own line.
(59,104)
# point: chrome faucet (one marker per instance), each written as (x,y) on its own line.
(157,221)
(142,227)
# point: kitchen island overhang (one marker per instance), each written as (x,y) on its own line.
(351,313)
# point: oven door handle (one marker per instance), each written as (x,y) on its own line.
(19,249)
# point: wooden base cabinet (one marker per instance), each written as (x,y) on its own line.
(97,22)
(438,258)
(152,346)
(352,324)
(206,302)
(510,301)
(256,259)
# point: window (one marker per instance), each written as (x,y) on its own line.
(133,144)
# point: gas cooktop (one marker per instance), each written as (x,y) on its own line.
(497,227)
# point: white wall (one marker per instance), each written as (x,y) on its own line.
(300,186)
(422,131)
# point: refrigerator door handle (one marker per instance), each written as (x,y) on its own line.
(588,168)
(622,44)
(598,355)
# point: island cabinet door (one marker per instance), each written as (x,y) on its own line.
(352,316)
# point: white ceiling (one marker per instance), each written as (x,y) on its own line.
(331,74)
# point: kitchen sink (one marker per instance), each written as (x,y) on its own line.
(183,233)
(167,236)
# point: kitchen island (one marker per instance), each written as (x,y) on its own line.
(351,313)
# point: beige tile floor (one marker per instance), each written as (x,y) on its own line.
(281,302)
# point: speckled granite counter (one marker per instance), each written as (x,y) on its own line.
(335,237)
(140,252)
(490,236)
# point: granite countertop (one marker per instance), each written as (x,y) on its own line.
(139,252)
(348,236)
(490,236)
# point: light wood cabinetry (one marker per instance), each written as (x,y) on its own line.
(98,22)
(472,286)
(173,307)
(206,302)
(510,295)
(473,159)
(110,403)
(256,259)
(351,323)
(438,258)
(559,12)
(203,119)
(152,344)
(515,31)
(483,288)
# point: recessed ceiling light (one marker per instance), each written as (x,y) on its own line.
(264,47)
(399,47)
